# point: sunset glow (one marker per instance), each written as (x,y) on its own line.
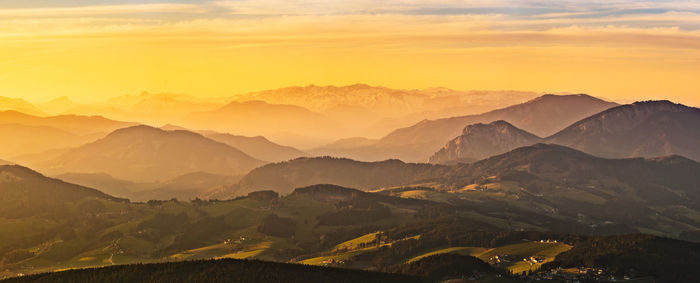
(91,50)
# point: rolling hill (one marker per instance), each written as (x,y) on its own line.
(283,177)
(27,193)
(221,270)
(541,116)
(641,129)
(147,154)
(479,141)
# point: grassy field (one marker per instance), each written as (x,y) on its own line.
(518,252)
(355,243)
(472,251)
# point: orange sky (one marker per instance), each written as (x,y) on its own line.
(93,50)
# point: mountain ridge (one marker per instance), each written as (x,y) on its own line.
(144,153)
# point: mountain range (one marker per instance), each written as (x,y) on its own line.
(541,116)
(641,129)
(32,134)
(20,105)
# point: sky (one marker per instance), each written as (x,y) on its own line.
(90,50)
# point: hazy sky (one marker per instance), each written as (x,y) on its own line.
(90,49)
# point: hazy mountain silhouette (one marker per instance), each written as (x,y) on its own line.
(261,118)
(156,108)
(144,154)
(541,116)
(20,105)
(373,111)
(28,134)
(20,139)
(641,129)
(258,147)
(76,124)
(479,141)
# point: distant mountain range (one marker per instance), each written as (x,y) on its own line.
(28,134)
(542,116)
(641,129)
(258,117)
(146,154)
(373,111)
(20,105)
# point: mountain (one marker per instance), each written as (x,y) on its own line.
(59,105)
(5,162)
(641,129)
(28,134)
(373,111)
(20,105)
(23,139)
(541,116)
(479,141)
(28,193)
(76,124)
(146,154)
(258,147)
(283,177)
(152,108)
(261,118)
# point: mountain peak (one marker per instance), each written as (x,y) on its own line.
(481,140)
(145,153)
(558,97)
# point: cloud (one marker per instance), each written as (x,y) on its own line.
(101,10)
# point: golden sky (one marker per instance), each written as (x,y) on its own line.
(90,50)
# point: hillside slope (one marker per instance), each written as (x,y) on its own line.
(27,193)
(283,177)
(641,129)
(216,271)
